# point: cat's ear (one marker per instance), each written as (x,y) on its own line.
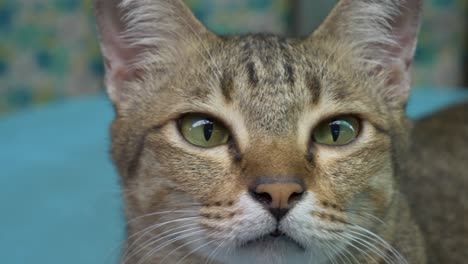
(382,34)
(138,35)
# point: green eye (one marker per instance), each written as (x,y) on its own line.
(337,132)
(203,131)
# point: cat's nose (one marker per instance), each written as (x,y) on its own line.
(278,197)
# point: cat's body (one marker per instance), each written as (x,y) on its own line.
(436,183)
(260,149)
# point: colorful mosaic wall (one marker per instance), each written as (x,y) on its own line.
(48,49)
(242,16)
(443,46)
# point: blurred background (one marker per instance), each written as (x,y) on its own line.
(49,51)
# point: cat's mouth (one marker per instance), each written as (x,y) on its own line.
(274,238)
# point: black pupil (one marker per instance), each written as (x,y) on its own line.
(335,130)
(208,130)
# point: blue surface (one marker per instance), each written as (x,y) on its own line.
(59,194)
(426,101)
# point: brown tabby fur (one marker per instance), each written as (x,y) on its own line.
(437,182)
(270,92)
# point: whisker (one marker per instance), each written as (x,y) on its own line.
(373,248)
(167,243)
(336,253)
(348,252)
(152,228)
(130,252)
(327,252)
(397,254)
(152,241)
(345,252)
(313,254)
(162,214)
(160,234)
(156,225)
(227,237)
(366,216)
(363,251)
(176,210)
(193,251)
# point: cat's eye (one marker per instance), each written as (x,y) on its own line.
(203,131)
(337,131)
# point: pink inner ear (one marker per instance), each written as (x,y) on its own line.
(120,57)
(125,74)
(121,74)
(396,76)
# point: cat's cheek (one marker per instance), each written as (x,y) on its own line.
(309,223)
(382,189)
(362,178)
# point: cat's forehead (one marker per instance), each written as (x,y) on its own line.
(266,58)
(270,81)
(261,46)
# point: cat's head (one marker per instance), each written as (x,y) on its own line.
(262,146)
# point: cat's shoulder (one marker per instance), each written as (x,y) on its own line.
(437,182)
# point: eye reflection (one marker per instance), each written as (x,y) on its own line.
(203,131)
(337,132)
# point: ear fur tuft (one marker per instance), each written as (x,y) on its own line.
(139,35)
(381,34)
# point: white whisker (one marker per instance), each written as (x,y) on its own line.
(370,246)
(362,251)
(193,251)
(151,228)
(154,240)
(159,235)
(327,252)
(227,237)
(397,254)
(161,213)
(167,243)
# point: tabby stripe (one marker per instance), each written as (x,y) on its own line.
(253,78)
(289,70)
(140,146)
(227,85)
(315,87)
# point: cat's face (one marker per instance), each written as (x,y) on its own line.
(278,183)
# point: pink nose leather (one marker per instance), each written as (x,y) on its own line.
(279,193)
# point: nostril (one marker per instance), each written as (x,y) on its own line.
(295,197)
(278,195)
(263,198)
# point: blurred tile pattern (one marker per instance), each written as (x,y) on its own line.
(242,16)
(48,49)
(443,47)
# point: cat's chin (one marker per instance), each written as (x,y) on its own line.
(277,243)
(269,249)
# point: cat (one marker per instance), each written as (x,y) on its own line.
(264,149)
